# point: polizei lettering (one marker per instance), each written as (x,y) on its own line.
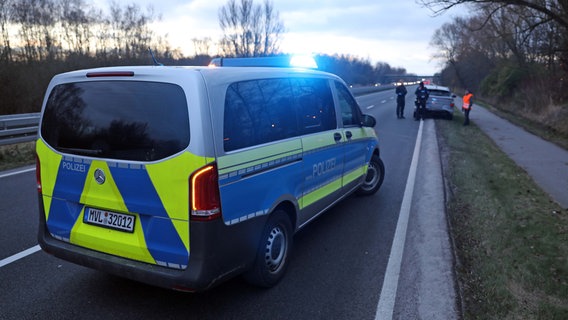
(323,167)
(72,166)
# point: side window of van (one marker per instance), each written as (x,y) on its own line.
(258,111)
(261,111)
(350,112)
(315,104)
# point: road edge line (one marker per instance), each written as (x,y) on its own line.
(20,255)
(385,307)
(13,173)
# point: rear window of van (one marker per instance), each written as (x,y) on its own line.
(125,120)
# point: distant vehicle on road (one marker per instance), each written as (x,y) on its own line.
(440,103)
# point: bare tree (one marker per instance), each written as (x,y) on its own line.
(76,26)
(528,24)
(35,19)
(556,10)
(129,30)
(450,41)
(249,30)
(201,46)
(5,19)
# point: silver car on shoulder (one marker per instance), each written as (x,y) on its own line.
(440,103)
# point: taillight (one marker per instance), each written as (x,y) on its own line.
(38,174)
(204,194)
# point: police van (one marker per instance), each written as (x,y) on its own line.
(183,177)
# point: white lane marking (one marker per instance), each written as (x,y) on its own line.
(384,101)
(19,256)
(370,107)
(16,172)
(387,299)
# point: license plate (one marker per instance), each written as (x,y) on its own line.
(107,219)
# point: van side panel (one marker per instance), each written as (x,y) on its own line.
(323,165)
(356,161)
(251,181)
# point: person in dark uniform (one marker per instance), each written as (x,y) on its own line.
(421,97)
(400,96)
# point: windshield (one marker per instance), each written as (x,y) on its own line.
(127,120)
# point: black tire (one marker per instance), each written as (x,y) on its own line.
(374,178)
(273,252)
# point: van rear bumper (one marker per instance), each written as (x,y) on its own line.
(218,252)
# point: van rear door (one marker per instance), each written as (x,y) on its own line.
(114,167)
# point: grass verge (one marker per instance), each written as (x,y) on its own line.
(17,155)
(511,239)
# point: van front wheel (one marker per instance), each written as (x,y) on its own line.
(374,178)
(273,251)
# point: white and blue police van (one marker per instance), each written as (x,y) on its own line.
(183,177)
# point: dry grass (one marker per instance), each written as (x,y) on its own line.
(511,238)
(17,155)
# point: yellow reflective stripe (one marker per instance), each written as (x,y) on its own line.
(258,155)
(320,193)
(361,133)
(104,195)
(107,195)
(123,244)
(49,168)
(319,141)
(171,181)
(333,186)
(354,174)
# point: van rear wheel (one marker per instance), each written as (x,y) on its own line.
(374,178)
(273,252)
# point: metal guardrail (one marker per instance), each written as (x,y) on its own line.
(359,91)
(17,128)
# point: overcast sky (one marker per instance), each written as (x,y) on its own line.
(397,32)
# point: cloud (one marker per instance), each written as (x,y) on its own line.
(396,32)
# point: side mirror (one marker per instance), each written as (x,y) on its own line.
(453,95)
(368,121)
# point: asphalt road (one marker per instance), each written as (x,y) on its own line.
(545,162)
(337,270)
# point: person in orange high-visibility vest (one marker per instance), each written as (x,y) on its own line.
(466,106)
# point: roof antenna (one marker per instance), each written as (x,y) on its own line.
(156,63)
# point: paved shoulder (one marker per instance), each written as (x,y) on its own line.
(545,162)
(428,287)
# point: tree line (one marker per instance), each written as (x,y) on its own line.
(513,53)
(40,38)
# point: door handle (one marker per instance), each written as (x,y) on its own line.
(337,137)
(348,134)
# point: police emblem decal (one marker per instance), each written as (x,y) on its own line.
(100,176)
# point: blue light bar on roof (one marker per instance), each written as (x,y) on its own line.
(303,61)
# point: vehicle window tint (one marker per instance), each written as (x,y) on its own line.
(127,120)
(258,111)
(315,104)
(350,112)
(441,93)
